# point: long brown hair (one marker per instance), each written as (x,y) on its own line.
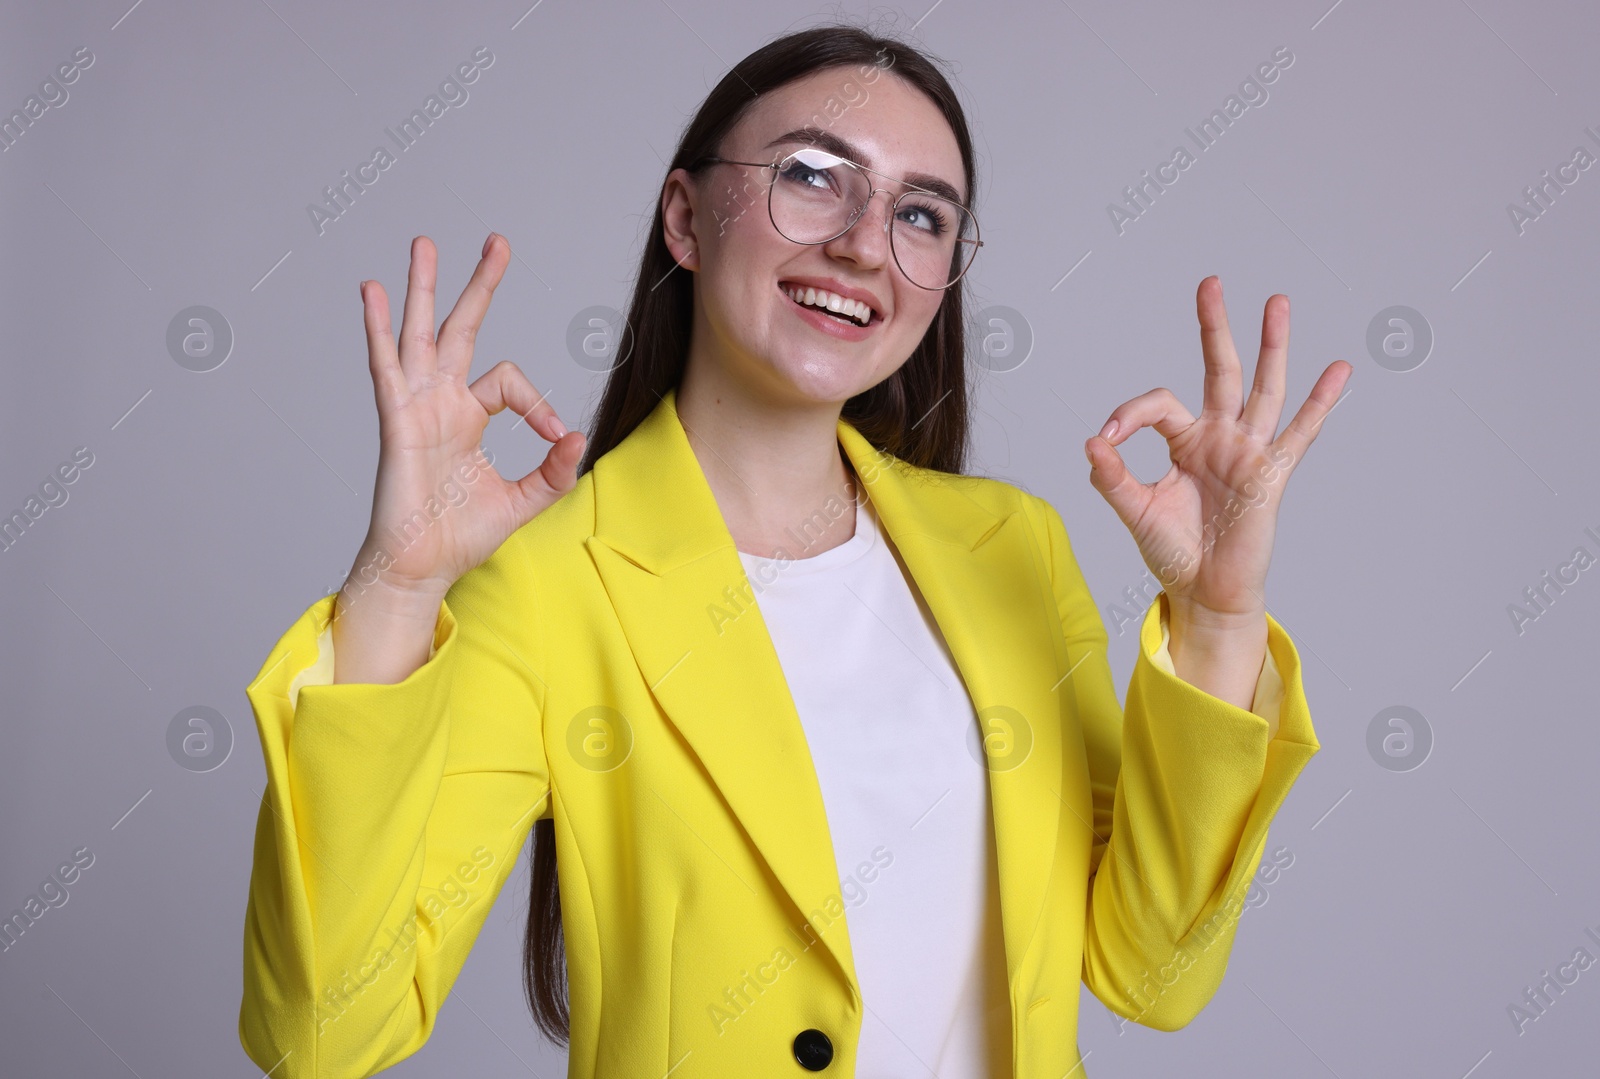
(918,414)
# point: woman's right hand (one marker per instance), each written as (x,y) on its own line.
(430,426)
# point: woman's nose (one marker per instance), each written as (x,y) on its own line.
(865,242)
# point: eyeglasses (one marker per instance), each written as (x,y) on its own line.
(814,197)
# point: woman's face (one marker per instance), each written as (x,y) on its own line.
(717,225)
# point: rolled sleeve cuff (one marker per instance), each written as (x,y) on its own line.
(320,673)
(1269,684)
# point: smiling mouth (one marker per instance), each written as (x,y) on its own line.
(852,313)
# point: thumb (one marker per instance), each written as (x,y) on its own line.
(1109,475)
(557,475)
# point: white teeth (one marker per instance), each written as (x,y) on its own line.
(814,297)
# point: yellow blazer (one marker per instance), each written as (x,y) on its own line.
(608,667)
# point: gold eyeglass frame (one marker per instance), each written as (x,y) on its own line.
(856,214)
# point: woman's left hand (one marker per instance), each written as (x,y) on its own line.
(1206,528)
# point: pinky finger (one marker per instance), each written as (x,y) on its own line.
(1307,422)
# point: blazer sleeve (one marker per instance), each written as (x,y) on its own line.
(392,817)
(1268,701)
(1183,787)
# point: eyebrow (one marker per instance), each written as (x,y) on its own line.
(840,147)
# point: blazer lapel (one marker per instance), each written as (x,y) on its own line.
(987,586)
(674,577)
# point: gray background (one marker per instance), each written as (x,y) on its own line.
(1420,903)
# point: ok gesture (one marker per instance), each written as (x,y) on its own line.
(1206,528)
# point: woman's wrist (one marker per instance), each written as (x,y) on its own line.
(382,633)
(1219,654)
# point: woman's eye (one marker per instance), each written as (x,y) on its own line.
(803,175)
(925,218)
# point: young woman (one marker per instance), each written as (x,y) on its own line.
(817,735)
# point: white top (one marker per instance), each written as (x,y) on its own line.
(894,740)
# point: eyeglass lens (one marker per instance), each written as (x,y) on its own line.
(815,197)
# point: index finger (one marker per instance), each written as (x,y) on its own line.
(460,328)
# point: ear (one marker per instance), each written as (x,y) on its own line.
(679,218)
